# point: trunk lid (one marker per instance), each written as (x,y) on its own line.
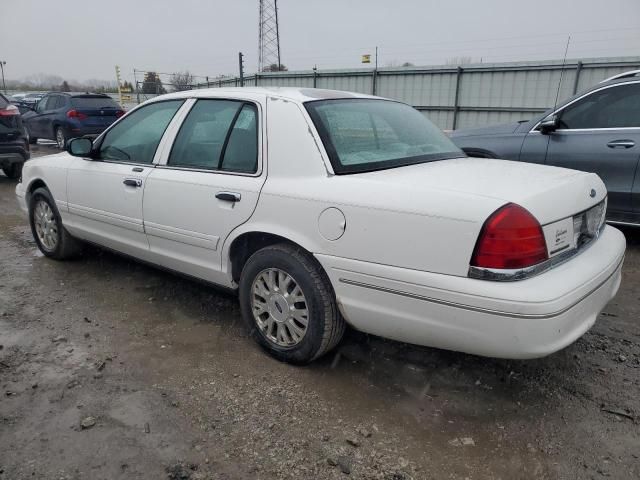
(549,193)
(100,111)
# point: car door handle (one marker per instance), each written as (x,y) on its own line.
(228,196)
(132,182)
(621,144)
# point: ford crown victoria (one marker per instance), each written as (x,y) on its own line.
(325,208)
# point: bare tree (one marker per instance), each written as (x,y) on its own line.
(274,67)
(182,81)
(459,61)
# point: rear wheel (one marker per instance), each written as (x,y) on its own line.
(289,305)
(46,225)
(13,171)
(61,139)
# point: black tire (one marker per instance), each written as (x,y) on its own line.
(60,137)
(66,246)
(13,171)
(325,326)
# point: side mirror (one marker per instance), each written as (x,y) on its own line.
(549,124)
(80,147)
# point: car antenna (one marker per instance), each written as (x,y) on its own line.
(564,62)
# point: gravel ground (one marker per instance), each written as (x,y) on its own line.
(114,370)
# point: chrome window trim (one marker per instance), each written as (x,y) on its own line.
(555,112)
(205,170)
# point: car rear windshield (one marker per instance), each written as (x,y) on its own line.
(94,102)
(362,135)
(3,101)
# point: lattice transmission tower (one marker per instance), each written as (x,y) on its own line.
(269,36)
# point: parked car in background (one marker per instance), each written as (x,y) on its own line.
(32,98)
(22,107)
(14,145)
(359,211)
(61,116)
(594,131)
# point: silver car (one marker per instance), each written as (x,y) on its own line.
(594,131)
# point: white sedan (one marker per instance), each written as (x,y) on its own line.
(326,208)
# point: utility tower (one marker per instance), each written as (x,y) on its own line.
(269,36)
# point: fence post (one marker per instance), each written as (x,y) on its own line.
(315,77)
(456,107)
(373,81)
(577,79)
(256,79)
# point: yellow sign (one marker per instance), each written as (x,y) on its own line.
(366,58)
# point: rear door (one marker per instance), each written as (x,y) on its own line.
(207,184)
(601,133)
(105,194)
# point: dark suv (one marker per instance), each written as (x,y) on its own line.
(63,116)
(14,146)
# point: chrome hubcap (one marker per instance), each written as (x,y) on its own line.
(279,307)
(45,224)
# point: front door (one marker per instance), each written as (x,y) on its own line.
(209,185)
(105,194)
(601,133)
(40,124)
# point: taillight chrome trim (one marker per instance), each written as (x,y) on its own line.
(511,275)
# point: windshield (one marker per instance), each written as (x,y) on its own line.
(94,102)
(362,135)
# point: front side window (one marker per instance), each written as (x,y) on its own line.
(218,135)
(136,137)
(363,135)
(614,107)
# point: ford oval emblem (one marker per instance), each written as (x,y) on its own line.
(592,193)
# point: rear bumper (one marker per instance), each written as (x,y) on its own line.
(13,153)
(524,319)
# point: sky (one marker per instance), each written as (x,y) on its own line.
(85,39)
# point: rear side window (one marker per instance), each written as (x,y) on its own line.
(94,102)
(136,137)
(614,107)
(218,135)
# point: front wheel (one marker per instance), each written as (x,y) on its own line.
(46,226)
(289,305)
(13,171)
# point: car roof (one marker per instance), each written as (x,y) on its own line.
(290,93)
(80,94)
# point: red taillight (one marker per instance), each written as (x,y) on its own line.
(510,238)
(119,113)
(76,114)
(9,111)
